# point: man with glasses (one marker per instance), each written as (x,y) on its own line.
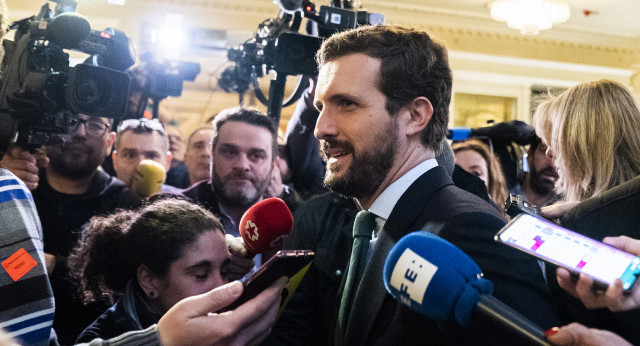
(137,140)
(68,189)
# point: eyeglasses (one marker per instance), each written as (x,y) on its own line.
(143,125)
(92,127)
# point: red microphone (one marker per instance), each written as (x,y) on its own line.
(265,224)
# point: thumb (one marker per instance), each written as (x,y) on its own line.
(236,245)
(213,300)
(624,243)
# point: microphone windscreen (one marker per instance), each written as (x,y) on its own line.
(506,132)
(458,133)
(264,225)
(148,178)
(289,5)
(434,278)
(68,29)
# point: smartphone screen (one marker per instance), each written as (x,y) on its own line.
(570,250)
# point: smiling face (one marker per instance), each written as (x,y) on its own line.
(358,136)
(200,269)
(242,163)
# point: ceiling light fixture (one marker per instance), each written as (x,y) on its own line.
(530,16)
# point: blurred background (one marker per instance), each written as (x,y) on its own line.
(498,71)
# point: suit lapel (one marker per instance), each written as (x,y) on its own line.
(407,214)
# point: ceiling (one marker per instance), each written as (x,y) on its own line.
(610,28)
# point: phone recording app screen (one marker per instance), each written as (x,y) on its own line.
(572,250)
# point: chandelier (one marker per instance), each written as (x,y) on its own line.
(530,16)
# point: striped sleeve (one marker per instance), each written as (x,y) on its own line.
(26,299)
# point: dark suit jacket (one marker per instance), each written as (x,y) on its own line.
(615,212)
(376,318)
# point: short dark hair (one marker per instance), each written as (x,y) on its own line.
(413,65)
(249,116)
(534,142)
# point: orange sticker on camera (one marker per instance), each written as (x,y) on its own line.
(18,264)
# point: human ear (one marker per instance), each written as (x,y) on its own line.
(108,142)
(148,282)
(420,112)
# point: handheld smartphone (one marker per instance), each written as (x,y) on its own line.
(517,204)
(284,263)
(571,250)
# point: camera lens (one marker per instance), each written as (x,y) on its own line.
(88,95)
(97,91)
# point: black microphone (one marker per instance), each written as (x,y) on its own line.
(68,29)
(289,5)
(436,279)
(500,133)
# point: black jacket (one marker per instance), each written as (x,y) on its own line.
(324,224)
(62,216)
(129,313)
(614,213)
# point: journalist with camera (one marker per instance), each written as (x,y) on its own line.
(56,122)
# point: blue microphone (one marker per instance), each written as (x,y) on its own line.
(438,280)
(459,133)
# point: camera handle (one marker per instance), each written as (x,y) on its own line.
(276,95)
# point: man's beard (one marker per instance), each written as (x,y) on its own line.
(71,167)
(538,185)
(367,169)
(238,197)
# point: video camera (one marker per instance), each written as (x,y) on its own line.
(278,46)
(156,80)
(40,92)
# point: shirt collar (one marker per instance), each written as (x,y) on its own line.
(383,205)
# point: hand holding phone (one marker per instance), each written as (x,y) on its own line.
(571,250)
(613,298)
(287,263)
(517,204)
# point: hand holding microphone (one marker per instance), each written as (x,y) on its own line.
(265,224)
(262,228)
(148,178)
(436,279)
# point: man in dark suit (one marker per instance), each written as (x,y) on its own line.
(383,93)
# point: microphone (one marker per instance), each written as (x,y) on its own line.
(438,280)
(500,133)
(148,178)
(265,224)
(459,133)
(289,5)
(68,29)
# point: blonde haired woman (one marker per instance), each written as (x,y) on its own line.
(593,134)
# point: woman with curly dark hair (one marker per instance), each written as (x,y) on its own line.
(150,258)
